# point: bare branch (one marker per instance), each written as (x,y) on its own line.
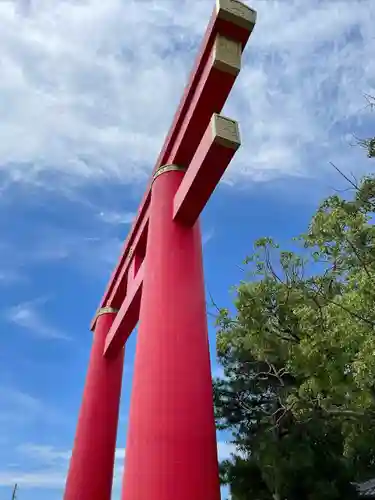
(354,184)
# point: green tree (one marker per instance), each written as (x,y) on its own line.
(298,392)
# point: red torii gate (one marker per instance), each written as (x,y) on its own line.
(171,450)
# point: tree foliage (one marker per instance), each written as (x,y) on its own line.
(298,392)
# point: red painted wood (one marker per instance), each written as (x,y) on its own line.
(171,445)
(203,175)
(127,317)
(214,27)
(118,292)
(134,266)
(209,97)
(91,466)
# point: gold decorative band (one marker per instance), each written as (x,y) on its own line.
(167,168)
(100,312)
(106,310)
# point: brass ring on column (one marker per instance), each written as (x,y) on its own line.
(168,168)
(100,312)
(106,310)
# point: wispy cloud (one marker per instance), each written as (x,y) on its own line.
(42,479)
(27,315)
(49,466)
(97,104)
(20,409)
(45,467)
(88,253)
(116,218)
(91,251)
(38,466)
(207,236)
(15,402)
(9,277)
(46,454)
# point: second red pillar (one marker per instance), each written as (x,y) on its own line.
(171,445)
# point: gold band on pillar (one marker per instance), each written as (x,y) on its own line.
(104,310)
(167,168)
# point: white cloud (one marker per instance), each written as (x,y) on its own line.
(86,95)
(225,450)
(28,316)
(43,453)
(88,88)
(49,466)
(93,251)
(207,236)
(115,217)
(25,480)
(19,410)
(15,402)
(9,276)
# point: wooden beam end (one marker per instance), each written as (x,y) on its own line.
(225,131)
(237,13)
(227,55)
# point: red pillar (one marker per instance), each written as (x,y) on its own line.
(171,445)
(91,467)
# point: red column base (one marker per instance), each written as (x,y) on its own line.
(91,467)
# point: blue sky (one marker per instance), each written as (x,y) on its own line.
(87,93)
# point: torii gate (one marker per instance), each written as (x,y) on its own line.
(171,450)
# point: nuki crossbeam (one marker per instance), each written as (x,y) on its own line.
(158,283)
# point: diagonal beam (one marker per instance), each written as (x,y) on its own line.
(127,317)
(118,291)
(235,21)
(214,153)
